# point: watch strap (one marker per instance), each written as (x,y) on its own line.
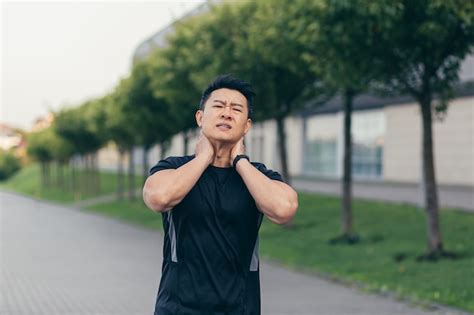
(238,157)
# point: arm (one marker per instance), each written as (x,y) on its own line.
(275,199)
(165,189)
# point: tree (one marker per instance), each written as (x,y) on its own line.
(152,113)
(39,149)
(83,126)
(9,164)
(122,132)
(266,49)
(424,44)
(171,71)
(94,115)
(61,152)
(342,50)
(118,131)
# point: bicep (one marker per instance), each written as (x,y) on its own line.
(158,178)
(285,187)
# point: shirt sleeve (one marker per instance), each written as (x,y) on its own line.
(168,163)
(269,173)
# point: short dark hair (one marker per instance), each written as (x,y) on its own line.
(227,81)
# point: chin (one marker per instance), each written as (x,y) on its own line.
(223,138)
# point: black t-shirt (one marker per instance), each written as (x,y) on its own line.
(210,251)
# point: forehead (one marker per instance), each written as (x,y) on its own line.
(228,95)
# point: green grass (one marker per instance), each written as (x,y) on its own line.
(386,230)
(27,181)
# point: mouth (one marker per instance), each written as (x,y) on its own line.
(223,126)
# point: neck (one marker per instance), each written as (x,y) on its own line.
(221,154)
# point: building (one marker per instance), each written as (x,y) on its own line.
(386,135)
(10,139)
(43,122)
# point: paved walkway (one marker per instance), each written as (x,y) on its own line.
(457,197)
(62,260)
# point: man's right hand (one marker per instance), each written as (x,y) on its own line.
(204,148)
(167,188)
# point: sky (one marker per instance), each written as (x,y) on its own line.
(59,54)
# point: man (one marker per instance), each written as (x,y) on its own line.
(212,204)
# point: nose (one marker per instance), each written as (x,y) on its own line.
(226,111)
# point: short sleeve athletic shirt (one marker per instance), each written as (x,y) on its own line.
(210,251)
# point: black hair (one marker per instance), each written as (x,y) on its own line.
(228,81)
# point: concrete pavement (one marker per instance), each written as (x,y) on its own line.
(63,260)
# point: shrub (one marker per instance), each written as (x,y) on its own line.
(9,164)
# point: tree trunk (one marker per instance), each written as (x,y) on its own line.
(60,175)
(95,158)
(83,176)
(56,174)
(282,148)
(347,166)
(429,180)
(89,175)
(99,179)
(73,178)
(131,176)
(47,174)
(146,149)
(185,142)
(164,146)
(43,174)
(120,176)
(67,175)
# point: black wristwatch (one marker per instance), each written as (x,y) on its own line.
(238,157)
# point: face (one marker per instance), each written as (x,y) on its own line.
(225,116)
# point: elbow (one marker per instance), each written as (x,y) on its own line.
(287,213)
(154,200)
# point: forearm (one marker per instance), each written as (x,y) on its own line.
(275,199)
(166,191)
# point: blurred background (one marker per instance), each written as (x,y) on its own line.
(365,107)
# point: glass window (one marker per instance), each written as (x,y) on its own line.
(367,144)
(320,158)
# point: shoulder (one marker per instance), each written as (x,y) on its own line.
(171,162)
(178,161)
(268,172)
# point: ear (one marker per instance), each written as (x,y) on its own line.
(198,117)
(248,125)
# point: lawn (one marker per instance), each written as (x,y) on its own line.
(388,231)
(27,181)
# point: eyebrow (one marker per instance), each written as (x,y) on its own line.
(233,104)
